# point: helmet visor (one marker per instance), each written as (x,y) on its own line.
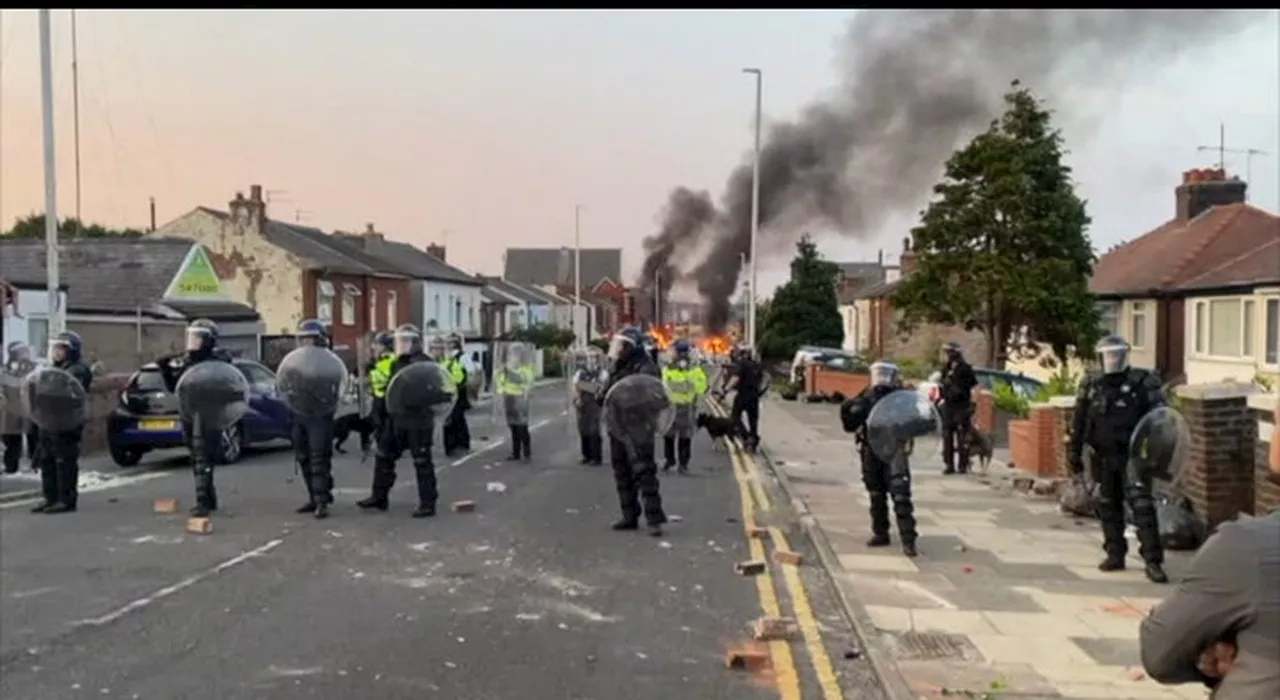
(883,374)
(619,347)
(407,342)
(198,338)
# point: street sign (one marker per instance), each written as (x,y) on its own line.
(196,278)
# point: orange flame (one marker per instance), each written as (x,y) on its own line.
(661,336)
(716,344)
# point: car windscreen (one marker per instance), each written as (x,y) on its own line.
(148,380)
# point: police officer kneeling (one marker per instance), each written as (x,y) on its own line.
(1108,410)
(880,478)
(394,438)
(58,454)
(202,346)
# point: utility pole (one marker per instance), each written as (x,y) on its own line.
(153,213)
(755,207)
(577,274)
(1222,150)
(57,315)
(75,110)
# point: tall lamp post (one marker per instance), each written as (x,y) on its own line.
(580,333)
(755,209)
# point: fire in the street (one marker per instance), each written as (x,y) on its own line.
(661,336)
(716,344)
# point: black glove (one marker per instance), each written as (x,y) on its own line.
(1075,463)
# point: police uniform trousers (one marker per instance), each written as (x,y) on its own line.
(518,422)
(456,432)
(1115,487)
(13,449)
(590,440)
(748,404)
(957,421)
(677,444)
(882,485)
(313,450)
(58,458)
(203,458)
(393,440)
(637,482)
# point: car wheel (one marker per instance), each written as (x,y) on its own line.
(126,456)
(232,444)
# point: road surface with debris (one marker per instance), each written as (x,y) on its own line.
(528,596)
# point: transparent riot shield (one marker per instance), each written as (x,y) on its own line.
(54,400)
(1159,447)
(904,426)
(420,395)
(637,410)
(587,387)
(312,381)
(514,373)
(571,361)
(13,418)
(213,395)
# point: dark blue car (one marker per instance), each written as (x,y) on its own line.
(147,417)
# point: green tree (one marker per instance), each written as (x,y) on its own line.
(33,227)
(543,335)
(1003,247)
(804,311)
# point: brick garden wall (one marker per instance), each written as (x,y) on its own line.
(1266,483)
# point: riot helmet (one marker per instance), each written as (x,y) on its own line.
(436,348)
(313,332)
(884,373)
(591,359)
(202,335)
(952,351)
(407,340)
(385,341)
(1113,354)
(18,351)
(454,343)
(66,347)
(514,358)
(682,350)
(625,344)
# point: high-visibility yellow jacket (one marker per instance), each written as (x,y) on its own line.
(684,386)
(457,371)
(515,381)
(380,375)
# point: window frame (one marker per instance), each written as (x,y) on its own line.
(392,299)
(373,309)
(326,294)
(1138,312)
(1271,332)
(39,351)
(1109,313)
(350,311)
(1202,322)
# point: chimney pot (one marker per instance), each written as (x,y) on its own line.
(368,228)
(1204,188)
(255,193)
(906,244)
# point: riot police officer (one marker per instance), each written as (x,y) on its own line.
(201,346)
(882,480)
(456,432)
(313,437)
(685,383)
(394,439)
(1108,409)
(58,455)
(956,391)
(514,378)
(748,384)
(588,388)
(637,484)
(15,429)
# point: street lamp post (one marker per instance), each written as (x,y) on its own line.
(755,208)
(577,277)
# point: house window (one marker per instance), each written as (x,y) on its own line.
(1138,325)
(373,309)
(435,308)
(391,310)
(349,294)
(1246,323)
(1110,313)
(1200,327)
(471,318)
(324,301)
(38,336)
(457,314)
(1221,322)
(1271,326)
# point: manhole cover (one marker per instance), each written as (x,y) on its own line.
(925,645)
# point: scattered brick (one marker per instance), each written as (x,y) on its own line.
(754,567)
(757,533)
(199,526)
(464,506)
(1023,483)
(782,556)
(166,506)
(768,629)
(746,659)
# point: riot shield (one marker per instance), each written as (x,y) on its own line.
(212,394)
(637,409)
(420,393)
(54,400)
(1159,446)
(587,389)
(312,381)
(903,425)
(13,419)
(571,360)
(364,401)
(514,373)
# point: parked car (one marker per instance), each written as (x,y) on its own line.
(147,417)
(827,357)
(1025,386)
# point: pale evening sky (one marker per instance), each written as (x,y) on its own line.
(492,125)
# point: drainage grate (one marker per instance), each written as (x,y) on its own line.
(933,646)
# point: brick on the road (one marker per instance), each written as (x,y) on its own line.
(1002,576)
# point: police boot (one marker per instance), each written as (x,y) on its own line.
(879,520)
(684,451)
(42,507)
(1113,562)
(205,503)
(60,507)
(375,502)
(655,529)
(322,511)
(308,507)
(668,453)
(627,522)
(909,548)
(425,510)
(584,443)
(1155,572)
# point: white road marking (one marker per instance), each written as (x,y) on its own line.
(185,583)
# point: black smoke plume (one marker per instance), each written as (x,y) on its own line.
(914,86)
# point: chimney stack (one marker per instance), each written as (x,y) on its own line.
(437,251)
(907,261)
(250,213)
(371,234)
(1204,188)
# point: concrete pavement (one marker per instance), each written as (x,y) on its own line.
(530,596)
(1004,599)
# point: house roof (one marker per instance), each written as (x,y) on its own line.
(543,295)
(879,290)
(492,295)
(555,265)
(412,261)
(861,269)
(515,291)
(104,275)
(1231,245)
(320,250)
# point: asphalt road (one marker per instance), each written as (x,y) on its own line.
(530,596)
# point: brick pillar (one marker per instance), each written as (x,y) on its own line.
(1266,483)
(1219,476)
(984,411)
(1064,411)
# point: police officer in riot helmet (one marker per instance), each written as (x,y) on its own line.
(588,395)
(882,480)
(201,346)
(456,432)
(637,484)
(58,455)
(748,383)
(313,436)
(394,439)
(956,389)
(1107,411)
(15,429)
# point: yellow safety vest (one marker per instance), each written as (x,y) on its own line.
(515,381)
(380,375)
(684,386)
(456,370)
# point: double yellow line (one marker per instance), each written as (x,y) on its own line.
(755,499)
